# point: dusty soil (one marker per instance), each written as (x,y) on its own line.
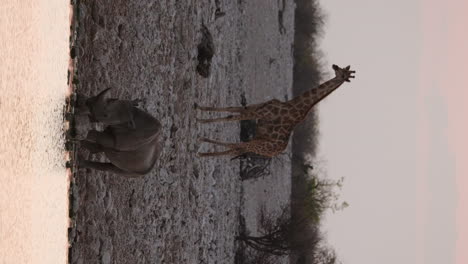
(187,209)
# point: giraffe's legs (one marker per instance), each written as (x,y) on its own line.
(240,109)
(245,113)
(234,148)
(226,144)
(222,109)
(227,118)
(233,152)
(261,147)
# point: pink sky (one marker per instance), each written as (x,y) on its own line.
(445,56)
(419,43)
(455,78)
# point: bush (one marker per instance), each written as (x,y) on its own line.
(280,235)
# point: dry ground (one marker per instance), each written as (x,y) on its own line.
(186,210)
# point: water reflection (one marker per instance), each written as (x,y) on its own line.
(33,180)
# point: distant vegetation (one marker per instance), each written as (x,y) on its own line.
(307,72)
(320,194)
(296,233)
(312,194)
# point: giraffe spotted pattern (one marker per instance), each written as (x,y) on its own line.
(275,119)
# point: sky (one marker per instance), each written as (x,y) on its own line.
(396,132)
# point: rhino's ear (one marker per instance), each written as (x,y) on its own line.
(131,124)
(136,102)
(101,95)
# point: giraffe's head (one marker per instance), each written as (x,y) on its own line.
(345,74)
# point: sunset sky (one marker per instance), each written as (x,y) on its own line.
(396,132)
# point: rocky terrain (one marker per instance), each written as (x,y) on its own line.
(187,209)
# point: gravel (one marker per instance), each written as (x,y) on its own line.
(187,209)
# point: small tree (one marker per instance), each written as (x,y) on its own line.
(258,257)
(321,195)
(315,194)
(312,197)
(283,234)
(253,166)
(325,255)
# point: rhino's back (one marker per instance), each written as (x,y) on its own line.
(113,112)
(147,129)
(140,160)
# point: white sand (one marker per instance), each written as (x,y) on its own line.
(33,85)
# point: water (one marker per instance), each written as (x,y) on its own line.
(33,86)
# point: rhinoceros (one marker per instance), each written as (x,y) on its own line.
(109,111)
(131,140)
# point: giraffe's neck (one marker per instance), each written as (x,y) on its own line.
(308,99)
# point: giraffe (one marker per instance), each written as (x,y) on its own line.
(275,119)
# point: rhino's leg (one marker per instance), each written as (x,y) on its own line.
(91,146)
(80,104)
(102,166)
(81,99)
(105,139)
